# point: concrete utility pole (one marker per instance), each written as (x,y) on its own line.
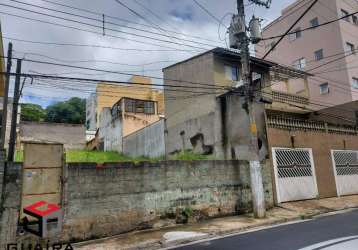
(6,97)
(10,156)
(241,41)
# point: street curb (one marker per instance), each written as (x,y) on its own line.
(228,233)
(161,244)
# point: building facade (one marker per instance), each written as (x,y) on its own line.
(107,95)
(127,116)
(327,51)
(215,122)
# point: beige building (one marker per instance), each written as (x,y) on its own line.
(336,82)
(107,95)
(127,116)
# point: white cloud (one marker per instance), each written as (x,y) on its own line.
(189,19)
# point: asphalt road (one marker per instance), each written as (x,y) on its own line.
(338,231)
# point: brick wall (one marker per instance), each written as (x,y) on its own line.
(115,198)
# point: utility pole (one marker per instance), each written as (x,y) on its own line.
(6,98)
(10,156)
(240,40)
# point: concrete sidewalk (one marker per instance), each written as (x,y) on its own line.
(172,236)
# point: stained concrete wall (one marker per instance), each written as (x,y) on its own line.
(110,131)
(72,136)
(148,141)
(115,198)
(207,123)
(104,200)
(236,132)
(10,204)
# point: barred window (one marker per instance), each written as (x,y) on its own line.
(139,106)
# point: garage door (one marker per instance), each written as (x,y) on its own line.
(345,165)
(295,174)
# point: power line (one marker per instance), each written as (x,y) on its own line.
(155,14)
(289,14)
(94,46)
(94,61)
(208,12)
(64,85)
(139,15)
(107,22)
(314,103)
(332,61)
(89,31)
(310,28)
(289,29)
(114,82)
(122,19)
(121,73)
(98,26)
(334,12)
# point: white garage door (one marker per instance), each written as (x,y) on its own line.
(295,174)
(345,165)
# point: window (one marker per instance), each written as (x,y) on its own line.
(318,55)
(314,22)
(297,34)
(139,106)
(355,83)
(300,63)
(149,108)
(129,105)
(232,73)
(345,13)
(349,48)
(324,88)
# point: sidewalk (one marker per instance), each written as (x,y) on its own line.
(169,237)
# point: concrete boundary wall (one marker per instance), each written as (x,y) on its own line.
(114,198)
(148,141)
(109,199)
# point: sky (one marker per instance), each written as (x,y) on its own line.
(187,27)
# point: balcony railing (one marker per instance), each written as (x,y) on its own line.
(290,98)
(306,125)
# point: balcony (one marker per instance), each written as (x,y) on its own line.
(283,97)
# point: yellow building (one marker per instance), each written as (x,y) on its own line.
(2,65)
(108,94)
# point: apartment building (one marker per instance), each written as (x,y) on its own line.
(107,95)
(329,52)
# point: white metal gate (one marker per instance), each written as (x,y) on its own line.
(295,174)
(345,165)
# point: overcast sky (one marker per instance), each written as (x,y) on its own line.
(181,16)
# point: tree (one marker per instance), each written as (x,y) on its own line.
(32,112)
(72,111)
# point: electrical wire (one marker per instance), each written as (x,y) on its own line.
(95,46)
(107,22)
(207,11)
(121,19)
(93,61)
(110,29)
